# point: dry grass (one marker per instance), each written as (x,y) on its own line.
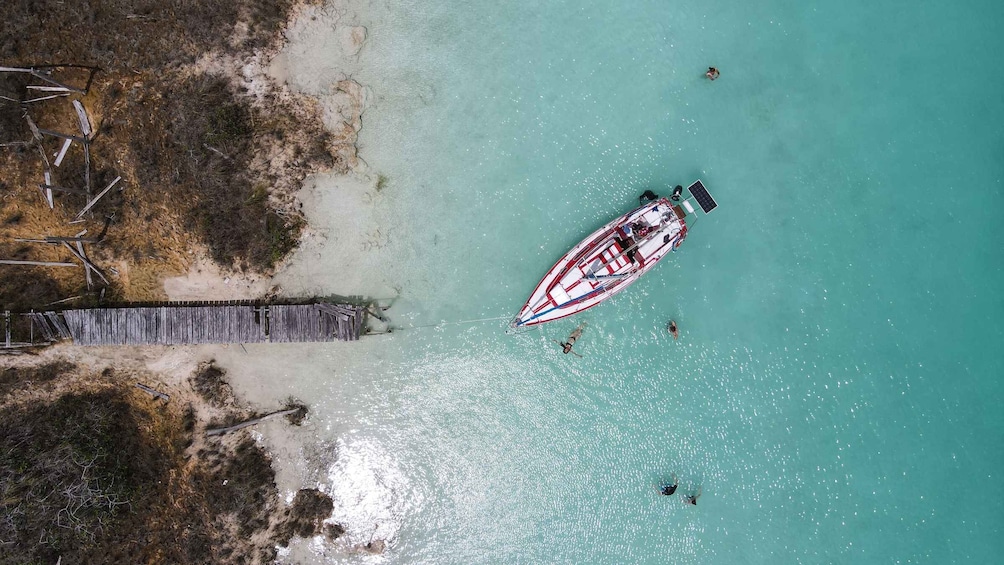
(96,471)
(193,148)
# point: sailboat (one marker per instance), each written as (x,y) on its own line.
(614,256)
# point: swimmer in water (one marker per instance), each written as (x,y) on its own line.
(673,329)
(692,498)
(566,346)
(712,73)
(668,490)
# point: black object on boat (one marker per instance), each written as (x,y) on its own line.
(647,196)
(676,193)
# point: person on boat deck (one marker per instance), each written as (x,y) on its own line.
(692,498)
(673,329)
(668,490)
(566,346)
(640,229)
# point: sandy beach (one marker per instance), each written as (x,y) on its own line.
(341,253)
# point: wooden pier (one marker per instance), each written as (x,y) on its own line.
(194,324)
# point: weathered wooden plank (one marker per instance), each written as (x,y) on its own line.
(58,324)
(62,151)
(87,264)
(87,269)
(154,393)
(85,124)
(61,135)
(37,263)
(202,324)
(42,98)
(98,197)
(87,167)
(46,88)
(38,320)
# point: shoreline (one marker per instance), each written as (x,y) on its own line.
(201,277)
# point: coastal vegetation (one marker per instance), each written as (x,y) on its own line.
(97,471)
(176,147)
(209,149)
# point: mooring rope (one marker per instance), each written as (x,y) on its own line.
(401,328)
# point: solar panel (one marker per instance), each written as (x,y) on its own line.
(702,196)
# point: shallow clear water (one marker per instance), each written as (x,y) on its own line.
(835,392)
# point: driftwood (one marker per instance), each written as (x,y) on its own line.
(85,128)
(96,198)
(48,79)
(47,88)
(154,393)
(52,133)
(47,194)
(37,263)
(87,264)
(64,300)
(217,151)
(50,97)
(62,152)
(251,422)
(53,240)
(36,134)
(85,124)
(87,270)
(87,168)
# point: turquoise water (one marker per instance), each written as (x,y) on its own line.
(836,390)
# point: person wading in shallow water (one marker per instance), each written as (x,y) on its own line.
(566,346)
(692,498)
(668,490)
(712,73)
(673,329)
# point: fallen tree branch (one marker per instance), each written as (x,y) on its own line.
(154,393)
(87,264)
(251,422)
(96,198)
(37,263)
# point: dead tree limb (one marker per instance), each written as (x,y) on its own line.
(62,135)
(251,422)
(47,88)
(85,124)
(53,240)
(37,263)
(87,168)
(87,264)
(42,98)
(154,393)
(96,198)
(87,270)
(47,170)
(62,152)
(43,76)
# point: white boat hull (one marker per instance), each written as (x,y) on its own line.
(605,263)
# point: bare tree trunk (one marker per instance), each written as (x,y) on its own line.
(251,422)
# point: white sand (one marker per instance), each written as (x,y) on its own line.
(344,252)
